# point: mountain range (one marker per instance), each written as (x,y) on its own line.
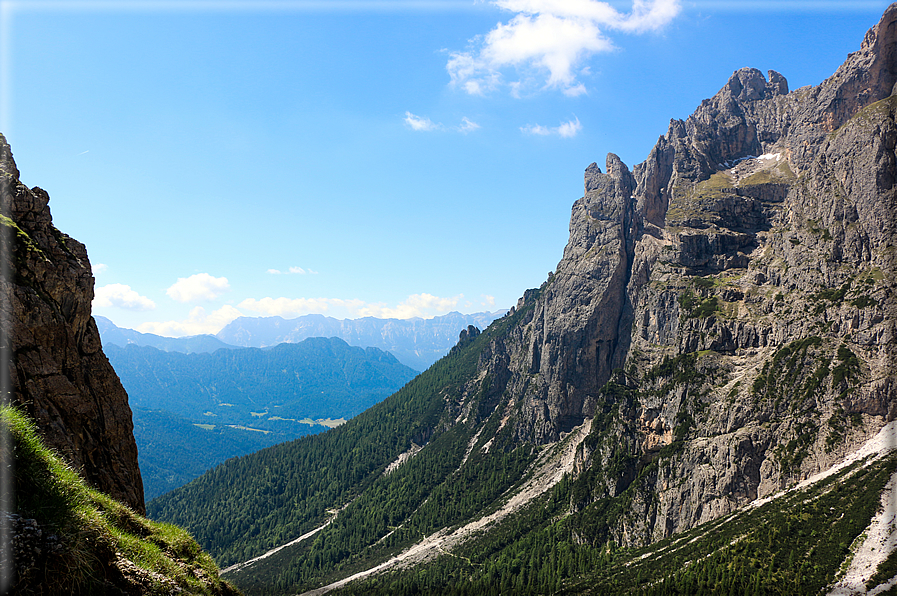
(416,342)
(193,411)
(119,336)
(699,399)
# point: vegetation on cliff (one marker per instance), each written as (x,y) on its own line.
(77,540)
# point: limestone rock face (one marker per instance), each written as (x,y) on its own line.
(57,368)
(724,312)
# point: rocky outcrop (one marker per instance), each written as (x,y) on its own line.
(724,312)
(59,374)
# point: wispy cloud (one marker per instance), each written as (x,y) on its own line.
(293,271)
(294,307)
(121,296)
(201,287)
(197,323)
(468,125)
(417,305)
(565,130)
(423,124)
(98,268)
(546,42)
(420,123)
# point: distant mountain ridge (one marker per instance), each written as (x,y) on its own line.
(193,411)
(318,378)
(417,343)
(120,336)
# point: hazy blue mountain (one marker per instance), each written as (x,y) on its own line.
(193,411)
(264,388)
(417,343)
(118,336)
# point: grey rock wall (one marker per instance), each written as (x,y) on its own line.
(725,311)
(59,374)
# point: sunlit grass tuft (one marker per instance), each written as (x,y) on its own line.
(102,541)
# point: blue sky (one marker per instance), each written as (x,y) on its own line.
(355,158)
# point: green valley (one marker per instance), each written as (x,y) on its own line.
(194,411)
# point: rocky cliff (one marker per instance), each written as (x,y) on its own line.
(59,374)
(724,311)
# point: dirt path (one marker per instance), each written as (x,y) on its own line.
(549,469)
(880,540)
(250,562)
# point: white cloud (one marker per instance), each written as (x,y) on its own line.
(420,123)
(417,305)
(198,288)
(575,90)
(121,296)
(547,40)
(99,268)
(294,271)
(468,125)
(566,130)
(569,129)
(536,129)
(197,323)
(487,300)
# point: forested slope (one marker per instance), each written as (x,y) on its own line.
(242,513)
(266,388)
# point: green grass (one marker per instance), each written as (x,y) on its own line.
(21,235)
(695,307)
(95,529)
(781,174)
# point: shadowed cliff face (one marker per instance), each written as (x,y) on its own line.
(741,282)
(58,371)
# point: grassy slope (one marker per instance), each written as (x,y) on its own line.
(103,544)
